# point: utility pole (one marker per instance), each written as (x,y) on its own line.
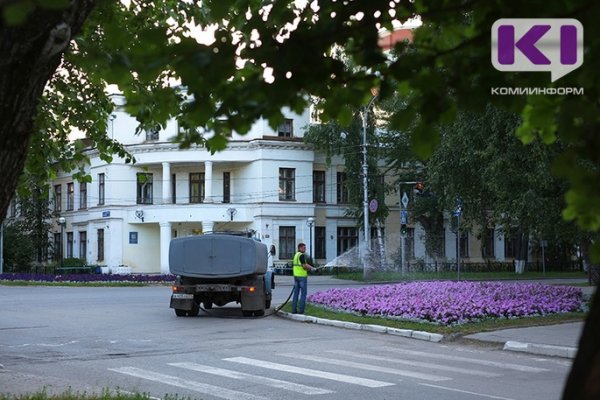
(403,221)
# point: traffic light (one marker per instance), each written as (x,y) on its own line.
(403,230)
(419,188)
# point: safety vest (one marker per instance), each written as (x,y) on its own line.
(299,270)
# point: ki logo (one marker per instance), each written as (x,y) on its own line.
(537,44)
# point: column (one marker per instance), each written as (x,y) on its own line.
(166,183)
(165,240)
(208,226)
(208,180)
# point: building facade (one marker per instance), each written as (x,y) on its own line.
(268,182)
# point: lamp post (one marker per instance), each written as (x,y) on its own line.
(310,222)
(457,212)
(365,168)
(62,222)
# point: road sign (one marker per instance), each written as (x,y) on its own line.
(373,205)
(405,200)
(403,217)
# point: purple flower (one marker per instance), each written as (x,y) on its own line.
(452,302)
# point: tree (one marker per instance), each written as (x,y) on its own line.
(500,180)
(347,141)
(142,46)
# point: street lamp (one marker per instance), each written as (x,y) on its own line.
(365,116)
(310,222)
(62,222)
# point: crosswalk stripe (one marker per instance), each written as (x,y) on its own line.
(516,367)
(369,367)
(489,396)
(295,387)
(417,364)
(211,390)
(310,372)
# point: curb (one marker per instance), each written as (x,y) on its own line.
(542,349)
(420,335)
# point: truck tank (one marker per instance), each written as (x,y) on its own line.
(217,256)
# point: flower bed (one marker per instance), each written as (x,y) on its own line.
(447,303)
(141,278)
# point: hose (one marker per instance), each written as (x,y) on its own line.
(275,311)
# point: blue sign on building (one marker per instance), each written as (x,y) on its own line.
(403,217)
(105,214)
(133,237)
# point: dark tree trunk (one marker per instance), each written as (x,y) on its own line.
(584,379)
(30,53)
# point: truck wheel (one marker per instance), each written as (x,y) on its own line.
(259,313)
(268,304)
(194,311)
(207,305)
(180,313)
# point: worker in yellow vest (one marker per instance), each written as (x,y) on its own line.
(301,268)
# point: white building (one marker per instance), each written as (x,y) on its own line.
(268,181)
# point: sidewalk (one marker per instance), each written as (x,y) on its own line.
(560,340)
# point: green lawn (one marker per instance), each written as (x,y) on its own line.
(450,332)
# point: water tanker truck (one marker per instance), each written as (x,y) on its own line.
(217,269)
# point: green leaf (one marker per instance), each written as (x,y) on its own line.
(16,13)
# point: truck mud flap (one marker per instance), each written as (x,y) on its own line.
(254,300)
(179,303)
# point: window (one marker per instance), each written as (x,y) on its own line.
(347,238)
(226,187)
(374,239)
(464,244)
(287,242)
(144,188)
(70,196)
(438,241)
(100,244)
(287,178)
(57,198)
(487,244)
(13,208)
(318,186)
(196,187)
(57,247)
(100,189)
(320,238)
(342,188)
(174,188)
(69,244)
(83,195)
(511,244)
(152,134)
(286,129)
(83,245)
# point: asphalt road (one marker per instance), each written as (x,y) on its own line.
(88,339)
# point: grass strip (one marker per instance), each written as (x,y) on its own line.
(450,331)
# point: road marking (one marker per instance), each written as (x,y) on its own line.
(185,384)
(310,372)
(516,367)
(369,367)
(417,364)
(295,387)
(489,396)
